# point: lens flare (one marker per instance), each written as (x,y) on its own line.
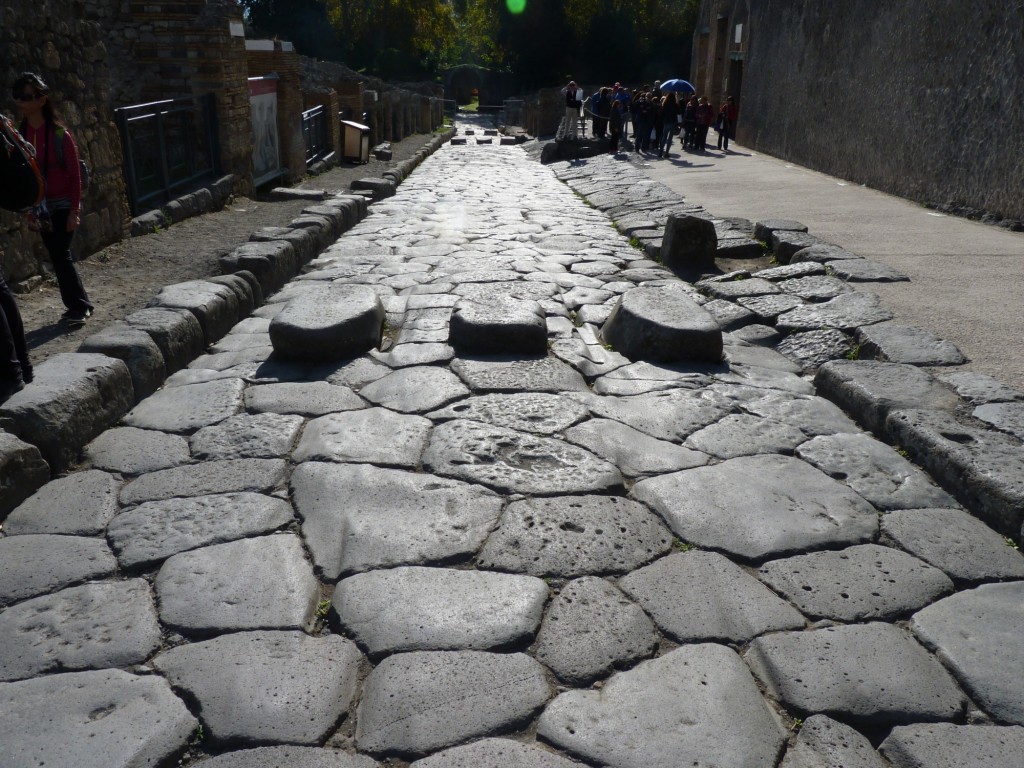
(515,7)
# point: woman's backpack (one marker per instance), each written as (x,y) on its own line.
(21,183)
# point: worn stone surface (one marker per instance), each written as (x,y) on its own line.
(80,504)
(102,719)
(415,390)
(571,536)
(266,687)
(826,743)
(414,703)
(293,757)
(745,435)
(22,472)
(699,701)
(865,271)
(688,241)
(670,415)
(537,412)
(494,753)
(373,435)
(635,454)
(978,388)
(767,308)
(544,374)
(812,349)
(328,322)
(729,316)
(1006,417)
(137,349)
(844,313)
(229,476)
(35,564)
(176,332)
(247,436)
(317,398)
(812,415)
(735,289)
(977,635)
(764,228)
(500,325)
(944,745)
(214,306)
(814,287)
(897,343)
(822,253)
(866,673)
(663,324)
(133,451)
(187,408)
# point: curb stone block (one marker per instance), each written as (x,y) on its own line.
(22,472)
(380,188)
(273,262)
(242,291)
(334,217)
(176,332)
(215,306)
(137,349)
(254,287)
(763,229)
(785,244)
(305,241)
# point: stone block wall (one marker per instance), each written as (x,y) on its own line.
(921,98)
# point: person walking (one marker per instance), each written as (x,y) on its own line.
(727,123)
(705,117)
(573,101)
(690,123)
(616,126)
(60,215)
(669,122)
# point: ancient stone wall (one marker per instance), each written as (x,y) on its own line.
(921,98)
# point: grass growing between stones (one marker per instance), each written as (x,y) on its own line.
(854,353)
(682,546)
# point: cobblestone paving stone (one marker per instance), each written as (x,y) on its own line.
(433,557)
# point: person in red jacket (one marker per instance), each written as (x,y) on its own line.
(727,123)
(61,213)
(705,117)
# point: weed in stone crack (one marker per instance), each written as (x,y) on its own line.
(682,546)
(635,243)
(903,452)
(198,736)
(854,353)
(1011,543)
(797,725)
(322,608)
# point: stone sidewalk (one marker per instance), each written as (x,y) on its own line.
(439,559)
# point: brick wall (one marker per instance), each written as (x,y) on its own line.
(289,104)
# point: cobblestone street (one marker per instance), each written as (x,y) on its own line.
(496,541)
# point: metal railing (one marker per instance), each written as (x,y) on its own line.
(169,147)
(314,133)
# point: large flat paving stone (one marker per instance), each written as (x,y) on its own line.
(898,343)
(865,271)
(262,583)
(360,517)
(978,388)
(438,609)
(590,628)
(23,471)
(315,398)
(702,597)
(866,673)
(760,506)
(290,757)
(875,471)
(187,408)
(133,451)
(495,753)
(155,530)
(697,701)
(977,634)
(35,564)
(538,412)
(568,536)
(955,542)
(247,436)
(206,478)
(370,436)
(545,374)
(671,415)
(415,390)
(635,454)
(663,324)
(1006,417)
(328,322)
(812,415)
(944,745)
(414,703)
(498,325)
(844,313)
(742,434)
(102,719)
(855,584)
(812,349)
(266,687)
(79,504)
(826,743)
(508,460)
(96,625)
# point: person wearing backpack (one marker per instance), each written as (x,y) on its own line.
(61,212)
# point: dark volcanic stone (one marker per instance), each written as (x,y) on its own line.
(328,322)
(663,324)
(688,241)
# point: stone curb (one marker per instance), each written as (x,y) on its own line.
(201,201)
(44,428)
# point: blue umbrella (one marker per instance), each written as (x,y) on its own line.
(677,85)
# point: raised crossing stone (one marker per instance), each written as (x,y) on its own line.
(702,597)
(214,306)
(865,271)
(508,460)
(569,536)
(97,625)
(428,609)
(977,635)
(209,477)
(1006,417)
(699,701)
(944,745)
(845,312)
(266,687)
(293,757)
(35,564)
(855,584)
(538,412)
(663,324)
(22,472)
(635,454)
(187,408)
(812,349)
(745,435)
(155,530)
(955,542)
(495,753)
(261,583)
(865,673)
(102,719)
(797,507)
(688,241)
(544,374)
(826,743)
(389,517)
(905,344)
(414,703)
(373,435)
(415,390)
(138,351)
(328,322)
(247,436)
(133,451)
(315,398)
(80,504)
(500,325)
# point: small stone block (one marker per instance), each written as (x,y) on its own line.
(663,324)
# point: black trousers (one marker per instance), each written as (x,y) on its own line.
(58,245)
(14,364)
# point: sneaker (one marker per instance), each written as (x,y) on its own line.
(75,317)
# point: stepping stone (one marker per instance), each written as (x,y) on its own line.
(132,451)
(703,597)
(812,415)
(80,504)
(897,343)
(97,625)
(944,745)
(855,584)
(414,703)
(875,471)
(760,506)
(865,271)
(663,324)
(536,412)
(763,229)
(437,609)
(865,673)
(103,719)
(699,701)
(501,325)
(247,436)
(688,241)
(570,536)
(293,757)
(262,583)
(633,452)
(512,461)
(389,517)
(977,635)
(328,322)
(1006,417)
(495,753)
(825,743)
(415,390)
(372,436)
(153,531)
(187,408)
(266,687)
(35,564)
(844,313)
(812,349)
(231,476)
(543,374)
(955,542)
(814,287)
(745,435)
